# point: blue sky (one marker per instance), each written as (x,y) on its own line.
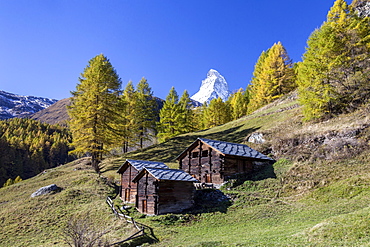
(46,44)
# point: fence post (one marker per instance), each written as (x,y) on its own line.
(126,217)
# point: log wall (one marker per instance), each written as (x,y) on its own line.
(203,163)
(162,197)
(128,188)
(209,166)
(234,167)
(175,196)
(147,196)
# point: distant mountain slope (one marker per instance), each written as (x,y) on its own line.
(54,114)
(13,105)
(57,113)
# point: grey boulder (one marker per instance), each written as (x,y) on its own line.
(46,190)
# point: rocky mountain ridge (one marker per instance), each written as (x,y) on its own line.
(54,112)
(13,105)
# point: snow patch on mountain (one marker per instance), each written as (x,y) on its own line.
(13,105)
(213,87)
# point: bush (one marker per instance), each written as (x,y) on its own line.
(80,232)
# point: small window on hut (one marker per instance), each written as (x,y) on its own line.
(205,153)
(195,154)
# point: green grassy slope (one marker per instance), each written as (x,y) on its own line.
(275,115)
(321,195)
(319,198)
(40,221)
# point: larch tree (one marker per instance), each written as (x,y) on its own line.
(273,77)
(316,94)
(333,76)
(94,109)
(239,103)
(258,86)
(198,117)
(8,182)
(127,123)
(186,115)
(169,117)
(353,74)
(146,116)
(217,113)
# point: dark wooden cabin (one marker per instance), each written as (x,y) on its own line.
(215,162)
(162,191)
(129,170)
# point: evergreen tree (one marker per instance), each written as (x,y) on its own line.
(333,76)
(273,77)
(27,147)
(94,109)
(176,117)
(217,113)
(339,13)
(258,86)
(198,117)
(169,117)
(128,124)
(239,103)
(186,116)
(18,179)
(316,94)
(146,116)
(8,182)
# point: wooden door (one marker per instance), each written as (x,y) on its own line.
(127,194)
(208,178)
(144,206)
(240,166)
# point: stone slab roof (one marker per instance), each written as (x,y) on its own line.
(168,174)
(235,149)
(228,148)
(140,164)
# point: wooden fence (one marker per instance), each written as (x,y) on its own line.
(119,214)
(202,186)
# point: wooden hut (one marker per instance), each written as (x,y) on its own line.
(129,170)
(215,162)
(162,191)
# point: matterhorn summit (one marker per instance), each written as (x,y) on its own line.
(213,87)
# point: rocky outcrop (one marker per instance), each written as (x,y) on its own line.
(330,145)
(46,190)
(256,138)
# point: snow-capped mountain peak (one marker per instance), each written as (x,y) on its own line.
(13,105)
(213,87)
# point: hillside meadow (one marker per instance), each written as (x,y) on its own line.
(42,220)
(319,194)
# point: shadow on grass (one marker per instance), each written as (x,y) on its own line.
(148,238)
(168,151)
(208,201)
(234,135)
(264,172)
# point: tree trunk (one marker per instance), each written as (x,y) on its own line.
(95,162)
